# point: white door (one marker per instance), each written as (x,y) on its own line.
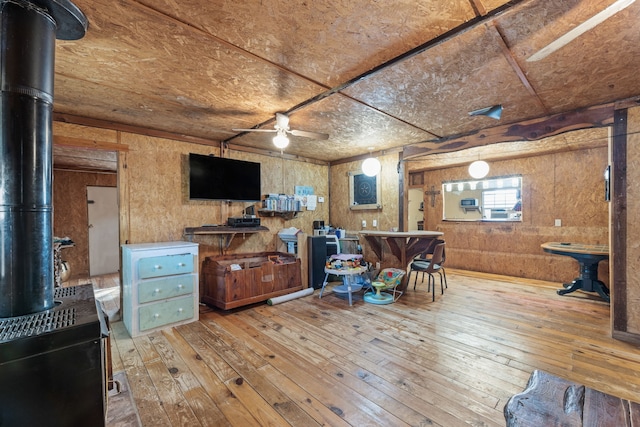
(415,208)
(104,248)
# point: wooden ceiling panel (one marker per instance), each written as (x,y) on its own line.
(120,107)
(327,41)
(352,128)
(437,89)
(371,74)
(166,67)
(594,68)
(484,6)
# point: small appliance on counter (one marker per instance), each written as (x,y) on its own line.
(319,229)
(243,221)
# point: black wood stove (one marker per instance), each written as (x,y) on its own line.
(52,363)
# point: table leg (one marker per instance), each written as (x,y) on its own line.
(595,286)
(570,287)
(324,283)
(603,291)
(346,280)
(588,281)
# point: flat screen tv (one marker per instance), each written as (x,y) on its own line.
(218,178)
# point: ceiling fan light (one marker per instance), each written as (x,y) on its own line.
(280,140)
(371,166)
(479,169)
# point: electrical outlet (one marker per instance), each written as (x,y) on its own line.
(558,223)
(374,223)
(364,223)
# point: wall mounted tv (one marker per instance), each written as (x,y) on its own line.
(218,178)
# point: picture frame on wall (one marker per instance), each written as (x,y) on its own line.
(364,192)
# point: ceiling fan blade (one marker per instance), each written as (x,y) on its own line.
(282,121)
(254,130)
(306,134)
(580,29)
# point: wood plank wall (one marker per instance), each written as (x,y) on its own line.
(343,216)
(566,185)
(153,188)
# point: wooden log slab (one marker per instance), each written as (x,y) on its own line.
(552,401)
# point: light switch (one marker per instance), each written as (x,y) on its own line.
(374,223)
(364,223)
(320,199)
(558,223)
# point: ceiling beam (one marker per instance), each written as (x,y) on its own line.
(448,35)
(139,130)
(273,153)
(530,130)
(366,156)
(67,141)
(508,55)
(109,124)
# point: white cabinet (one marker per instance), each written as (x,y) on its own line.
(160,285)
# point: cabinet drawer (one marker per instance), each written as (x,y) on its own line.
(166,265)
(164,313)
(168,287)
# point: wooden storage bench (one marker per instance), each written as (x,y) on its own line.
(262,276)
(553,401)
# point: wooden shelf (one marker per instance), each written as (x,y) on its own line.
(226,233)
(283,214)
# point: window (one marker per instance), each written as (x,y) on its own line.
(500,199)
(501,204)
(490,199)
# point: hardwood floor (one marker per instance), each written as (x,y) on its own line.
(311,361)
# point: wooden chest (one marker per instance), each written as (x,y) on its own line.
(231,281)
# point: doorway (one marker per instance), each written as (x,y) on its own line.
(102,214)
(415,209)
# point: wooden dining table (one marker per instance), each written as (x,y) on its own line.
(404,245)
(588,257)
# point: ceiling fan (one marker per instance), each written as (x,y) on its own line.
(580,29)
(281,128)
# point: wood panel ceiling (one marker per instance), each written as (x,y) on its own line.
(374,75)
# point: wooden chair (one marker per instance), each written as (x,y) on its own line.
(430,266)
(426,256)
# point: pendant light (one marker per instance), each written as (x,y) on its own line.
(371,166)
(478,169)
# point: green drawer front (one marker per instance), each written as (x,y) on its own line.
(165,313)
(169,287)
(166,265)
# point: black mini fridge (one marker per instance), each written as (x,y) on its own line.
(319,248)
